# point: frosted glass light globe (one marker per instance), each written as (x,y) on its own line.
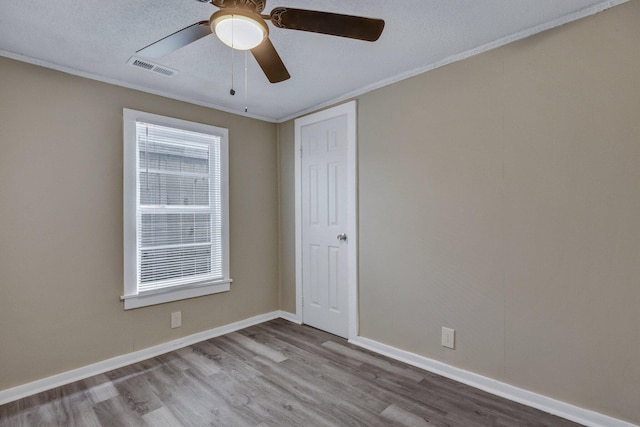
(238,31)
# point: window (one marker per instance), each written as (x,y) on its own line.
(176,239)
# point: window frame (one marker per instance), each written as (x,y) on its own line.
(132,297)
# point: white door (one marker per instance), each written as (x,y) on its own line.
(325,234)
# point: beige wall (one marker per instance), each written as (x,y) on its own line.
(499,196)
(61,224)
(286,192)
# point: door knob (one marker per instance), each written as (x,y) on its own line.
(342,237)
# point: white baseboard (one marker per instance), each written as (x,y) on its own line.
(291,317)
(24,390)
(534,400)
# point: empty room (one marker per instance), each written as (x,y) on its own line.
(320,213)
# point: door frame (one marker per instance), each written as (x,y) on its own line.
(348,109)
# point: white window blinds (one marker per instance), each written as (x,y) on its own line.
(180,210)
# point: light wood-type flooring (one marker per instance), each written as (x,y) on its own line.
(273,374)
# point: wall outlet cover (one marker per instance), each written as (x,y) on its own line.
(176,319)
(448,337)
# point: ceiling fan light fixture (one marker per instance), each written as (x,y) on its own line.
(239,29)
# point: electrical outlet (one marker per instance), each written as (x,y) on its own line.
(176,319)
(448,338)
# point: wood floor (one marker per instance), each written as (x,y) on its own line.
(273,374)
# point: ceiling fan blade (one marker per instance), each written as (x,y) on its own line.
(270,61)
(176,40)
(354,27)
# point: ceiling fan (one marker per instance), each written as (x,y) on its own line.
(241,25)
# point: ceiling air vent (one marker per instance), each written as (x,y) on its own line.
(150,66)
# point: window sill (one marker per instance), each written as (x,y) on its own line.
(174,294)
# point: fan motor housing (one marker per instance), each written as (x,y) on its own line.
(254,5)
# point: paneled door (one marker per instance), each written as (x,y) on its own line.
(325,234)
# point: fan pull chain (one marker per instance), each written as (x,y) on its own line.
(232,91)
(246,84)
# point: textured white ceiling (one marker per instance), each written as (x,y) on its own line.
(96,38)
